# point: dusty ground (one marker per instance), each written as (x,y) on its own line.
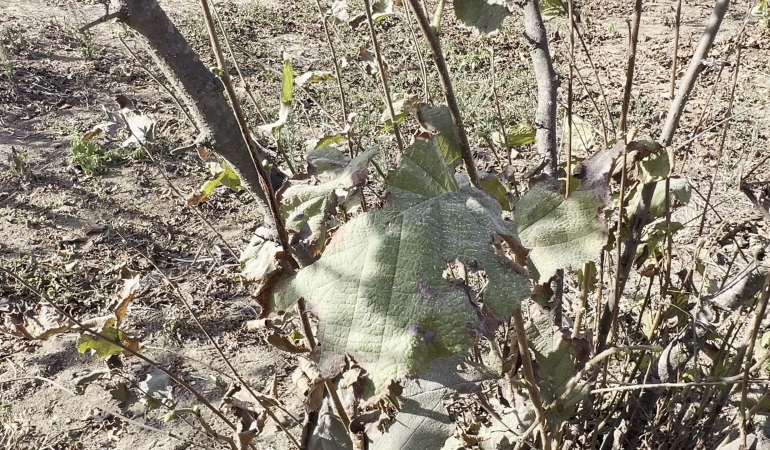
(69,233)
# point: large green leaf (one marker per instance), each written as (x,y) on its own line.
(423,422)
(562,233)
(379,291)
(484,17)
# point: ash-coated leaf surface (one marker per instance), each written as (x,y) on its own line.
(423,422)
(378,289)
(484,17)
(562,233)
(307,205)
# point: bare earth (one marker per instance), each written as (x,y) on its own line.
(71,234)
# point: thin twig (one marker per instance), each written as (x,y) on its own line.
(383,74)
(695,68)
(246,86)
(160,83)
(529,375)
(570,13)
(449,93)
(337,72)
(328,384)
(101,407)
(758,318)
(632,41)
(420,59)
(219,350)
(176,191)
(264,180)
(677,24)
(722,382)
(607,109)
(726,128)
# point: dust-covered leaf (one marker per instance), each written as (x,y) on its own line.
(423,422)
(381,9)
(330,433)
(339,11)
(41,322)
(140,127)
(484,17)
(157,387)
(307,204)
(262,261)
(325,159)
(558,358)
(562,233)
(127,295)
(583,135)
(389,305)
(680,190)
(654,167)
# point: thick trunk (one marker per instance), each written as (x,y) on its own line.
(198,88)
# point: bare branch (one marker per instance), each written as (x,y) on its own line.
(695,68)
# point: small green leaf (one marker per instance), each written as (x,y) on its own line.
(401,109)
(287,86)
(81,383)
(522,134)
(551,8)
(221,174)
(103,349)
(330,140)
(315,76)
(121,392)
(440,119)
(494,187)
(169,416)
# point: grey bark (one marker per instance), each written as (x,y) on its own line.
(547,82)
(695,68)
(198,87)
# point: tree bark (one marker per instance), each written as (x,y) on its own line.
(547,82)
(198,88)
